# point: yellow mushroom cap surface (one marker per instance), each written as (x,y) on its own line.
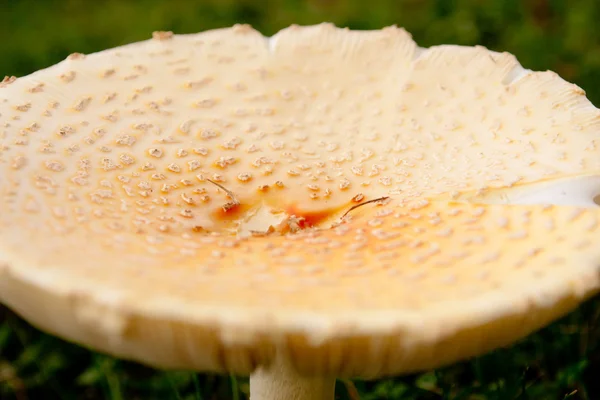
(179,201)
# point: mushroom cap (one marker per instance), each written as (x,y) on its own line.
(115,234)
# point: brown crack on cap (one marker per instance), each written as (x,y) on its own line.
(7,80)
(162,35)
(112,220)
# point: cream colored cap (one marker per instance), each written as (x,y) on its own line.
(115,233)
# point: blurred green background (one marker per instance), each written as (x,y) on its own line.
(560,362)
(544,34)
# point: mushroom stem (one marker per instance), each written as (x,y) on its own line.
(280,381)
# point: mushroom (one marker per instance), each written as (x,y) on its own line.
(322,203)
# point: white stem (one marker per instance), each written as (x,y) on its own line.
(279,381)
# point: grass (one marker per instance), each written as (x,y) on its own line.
(561,361)
(560,35)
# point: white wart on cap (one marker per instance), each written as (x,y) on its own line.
(178,201)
